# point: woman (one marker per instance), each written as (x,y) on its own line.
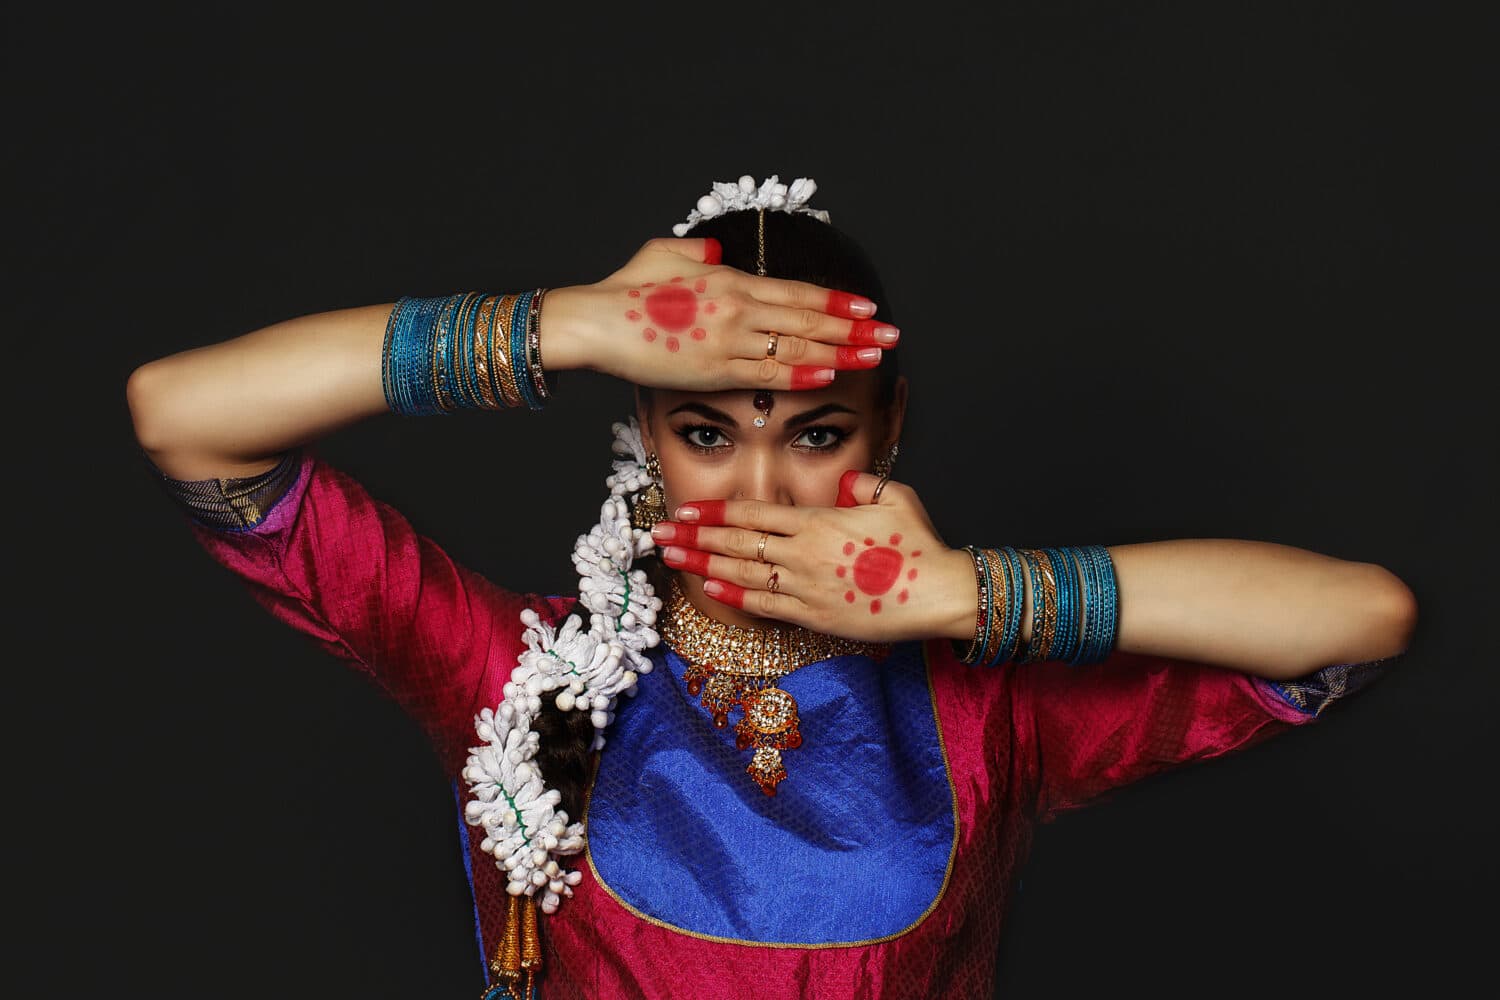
(839,731)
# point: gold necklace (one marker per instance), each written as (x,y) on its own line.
(736,667)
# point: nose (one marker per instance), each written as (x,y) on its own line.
(762,476)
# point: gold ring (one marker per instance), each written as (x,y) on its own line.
(773,583)
(771,345)
(878,487)
(760,550)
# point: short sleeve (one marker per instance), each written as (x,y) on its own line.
(1095,728)
(350,572)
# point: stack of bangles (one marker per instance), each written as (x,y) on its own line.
(1074,605)
(461,352)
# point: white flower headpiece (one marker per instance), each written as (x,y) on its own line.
(583,671)
(771,195)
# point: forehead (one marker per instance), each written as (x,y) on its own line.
(856,390)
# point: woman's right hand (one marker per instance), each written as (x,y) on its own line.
(673,318)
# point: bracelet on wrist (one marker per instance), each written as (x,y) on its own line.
(471,351)
(1074,605)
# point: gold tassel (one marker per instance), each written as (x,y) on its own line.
(506,965)
(531,946)
(531,941)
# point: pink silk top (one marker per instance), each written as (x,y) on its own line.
(1020,745)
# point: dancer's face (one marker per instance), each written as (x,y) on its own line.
(710,448)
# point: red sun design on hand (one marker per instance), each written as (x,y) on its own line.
(670,310)
(877,569)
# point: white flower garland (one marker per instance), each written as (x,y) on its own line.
(584,671)
(771,195)
(587,670)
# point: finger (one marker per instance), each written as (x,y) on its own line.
(792,350)
(783,607)
(810,324)
(768,373)
(744,572)
(704,249)
(871,331)
(741,543)
(758,515)
(858,488)
(803,295)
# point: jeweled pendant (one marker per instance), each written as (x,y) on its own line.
(770,726)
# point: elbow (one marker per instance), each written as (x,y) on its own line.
(1394,609)
(144,398)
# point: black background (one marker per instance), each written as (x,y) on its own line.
(1163,270)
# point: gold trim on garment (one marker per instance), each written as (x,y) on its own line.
(936,899)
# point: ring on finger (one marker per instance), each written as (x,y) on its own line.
(773,582)
(771,345)
(760,548)
(878,487)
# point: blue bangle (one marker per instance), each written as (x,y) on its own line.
(1100,609)
(1067,636)
(1088,574)
(1109,619)
(408,356)
(522,370)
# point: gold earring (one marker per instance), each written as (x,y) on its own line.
(650,501)
(884,463)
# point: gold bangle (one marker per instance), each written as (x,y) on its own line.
(1000,608)
(1049,605)
(982,612)
(534,346)
(1043,605)
(483,331)
(500,353)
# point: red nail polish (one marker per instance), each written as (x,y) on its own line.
(713,250)
(873,333)
(702,511)
(729,593)
(811,376)
(846,489)
(849,306)
(692,560)
(856,357)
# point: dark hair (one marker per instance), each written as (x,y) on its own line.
(798,247)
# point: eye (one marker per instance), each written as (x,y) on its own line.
(824,437)
(703,437)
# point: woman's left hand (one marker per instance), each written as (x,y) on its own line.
(865,569)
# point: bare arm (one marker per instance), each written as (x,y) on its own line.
(229,409)
(1259,607)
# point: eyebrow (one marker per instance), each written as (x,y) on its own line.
(807,417)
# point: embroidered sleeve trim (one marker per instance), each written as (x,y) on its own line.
(1311,695)
(232,504)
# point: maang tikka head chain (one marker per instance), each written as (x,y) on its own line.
(769,195)
(764,399)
